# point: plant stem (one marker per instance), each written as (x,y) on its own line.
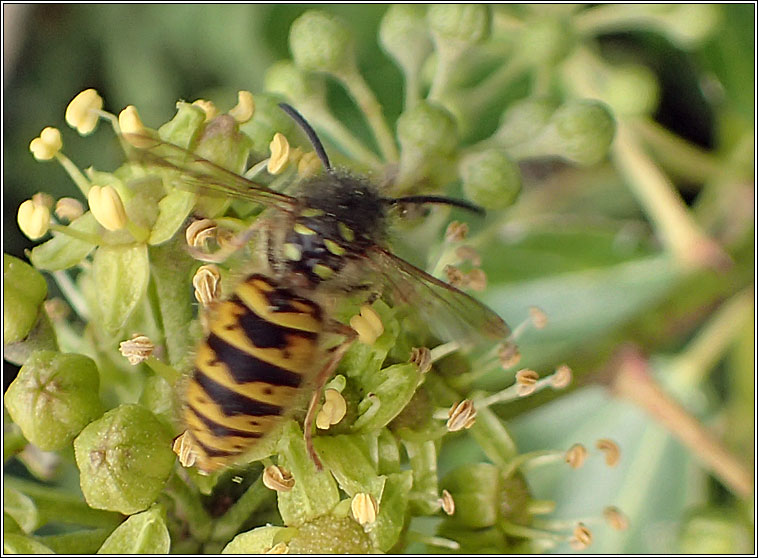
(189,508)
(634,382)
(227,526)
(76,175)
(79,235)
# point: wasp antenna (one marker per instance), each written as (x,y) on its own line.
(442,200)
(310,132)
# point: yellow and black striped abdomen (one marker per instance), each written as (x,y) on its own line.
(262,345)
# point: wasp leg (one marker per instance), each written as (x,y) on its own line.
(323,376)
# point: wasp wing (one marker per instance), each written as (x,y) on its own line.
(450,312)
(201,175)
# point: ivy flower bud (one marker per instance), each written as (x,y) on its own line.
(461,416)
(47,144)
(586,129)
(368,325)
(280,152)
(467,24)
(364,508)
(24,288)
(427,128)
(611,450)
(245,107)
(53,397)
(33,219)
(631,90)
(545,41)
(124,459)
(278,479)
(137,349)
(332,411)
(82,111)
(403,33)
(69,209)
(523,120)
(207,283)
(292,82)
(107,207)
(322,42)
(490,179)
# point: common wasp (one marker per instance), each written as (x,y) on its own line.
(263,346)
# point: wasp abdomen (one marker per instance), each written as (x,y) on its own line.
(261,347)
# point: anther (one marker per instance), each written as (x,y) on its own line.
(280,151)
(562,377)
(245,107)
(207,284)
(207,107)
(476,280)
(539,318)
(581,538)
(447,503)
(454,276)
(509,355)
(576,455)
(82,113)
(107,207)
(332,411)
(456,231)
(69,209)
(611,450)
(616,518)
(461,416)
(527,381)
(33,219)
(368,325)
(199,232)
(183,447)
(278,548)
(421,357)
(137,349)
(278,479)
(364,508)
(468,253)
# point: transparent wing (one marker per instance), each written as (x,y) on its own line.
(451,313)
(201,175)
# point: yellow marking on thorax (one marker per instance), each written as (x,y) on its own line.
(305,320)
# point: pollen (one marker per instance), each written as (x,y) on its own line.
(280,152)
(323,271)
(508,354)
(576,455)
(456,231)
(132,127)
(82,112)
(137,349)
(207,107)
(562,377)
(611,450)
(207,283)
(539,318)
(368,325)
(364,508)
(69,209)
(245,108)
(332,411)
(461,416)
(346,232)
(33,219)
(107,207)
(47,144)
(527,381)
(301,229)
(278,478)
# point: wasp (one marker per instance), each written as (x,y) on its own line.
(263,346)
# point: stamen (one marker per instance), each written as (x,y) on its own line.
(611,450)
(364,508)
(207,284)
(137,349)
(183,447)
(461,416)
(278,478)
(576,455)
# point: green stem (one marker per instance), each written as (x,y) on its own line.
(189,507)
(72,294)
(482,95)
(73,171)
(163,370)
(447,59)
(79,235)
(531,533)
(369,105)
(228,525)
(493,437)
(663,205)
(322,118)
(533,459)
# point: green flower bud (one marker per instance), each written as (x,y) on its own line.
(523,121)
(490,179)
(631,90)
(53,397)
(403,35)
(24,290)
(267,121)
(330,535)
(545,41)
(142,533)
(221,142)
(715,531)
(181,129)
(124,459)
(427,128)
(322,42)
(286,79)
(467,24)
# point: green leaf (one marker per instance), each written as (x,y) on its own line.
(20,544)
(24,289)
(347,457)
(21,508)
(63,251)
(315,493)
(256,541)
(143,533)
(120,274)
(173,211)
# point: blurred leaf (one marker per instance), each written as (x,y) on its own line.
(142,533)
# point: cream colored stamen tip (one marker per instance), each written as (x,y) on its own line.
(184,448)
(509,355)
(454,276)
(456,231)
(476,280)
(107,207)
(280,151)
(447,503)
(611,450)
(278,479)
(539,318)
(421,357)
(200,231)
(47,144)
(364,508)
(69,209)
(137,349)
(561,377)
(527,381)
(308,165)
(461,416)
(576,455)
(208,108)
(616,518)
(245,107)
(82,111)
(368,325)
(581,537)
(332,411)
(278,548)
(33,219)
(207,281)
(468,253)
